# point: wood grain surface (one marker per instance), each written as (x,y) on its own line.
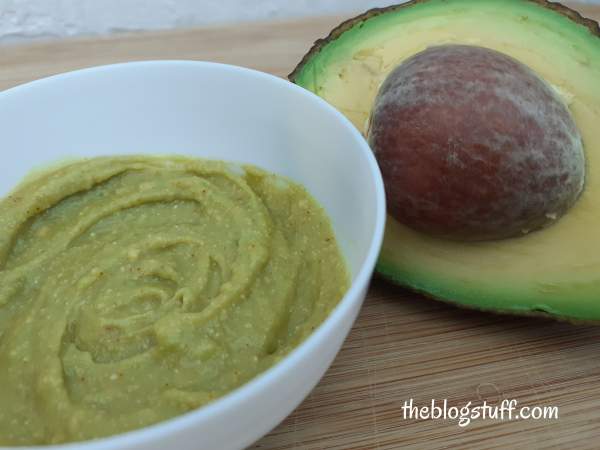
(403,346)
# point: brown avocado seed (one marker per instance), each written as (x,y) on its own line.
(473,145)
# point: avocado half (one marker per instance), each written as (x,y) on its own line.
(553,272)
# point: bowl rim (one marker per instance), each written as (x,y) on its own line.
(179,423)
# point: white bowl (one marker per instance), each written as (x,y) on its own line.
(224,112)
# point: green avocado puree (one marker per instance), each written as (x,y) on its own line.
(134,289)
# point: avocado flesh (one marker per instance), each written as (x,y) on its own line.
(554,271)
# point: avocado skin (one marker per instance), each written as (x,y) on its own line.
(386,270)
(318,45)
(387,273)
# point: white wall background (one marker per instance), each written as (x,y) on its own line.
(35,19)
(41,19)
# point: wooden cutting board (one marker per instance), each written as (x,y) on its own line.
(403,346)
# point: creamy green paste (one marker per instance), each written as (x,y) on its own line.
(134,289)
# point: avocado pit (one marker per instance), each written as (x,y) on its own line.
(473,145)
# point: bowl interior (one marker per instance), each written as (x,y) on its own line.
(196,109)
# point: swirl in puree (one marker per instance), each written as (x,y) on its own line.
(134,289)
